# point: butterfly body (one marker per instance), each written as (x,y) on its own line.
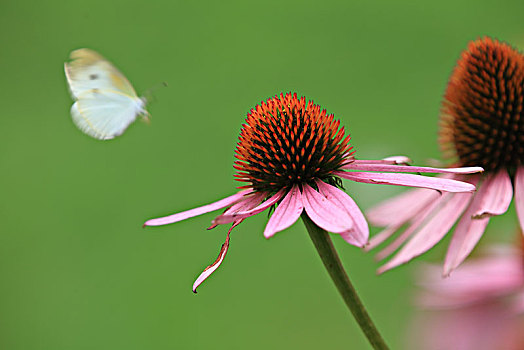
(105,101)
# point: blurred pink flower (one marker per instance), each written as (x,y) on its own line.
(292,156)
(482,123)
(478,308)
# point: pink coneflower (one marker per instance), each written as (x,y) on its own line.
(291,156)
(482,123)
(478,307)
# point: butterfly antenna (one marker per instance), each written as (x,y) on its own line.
(148,94)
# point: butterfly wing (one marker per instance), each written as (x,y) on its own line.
(89,70)
(105,114)
(106,102)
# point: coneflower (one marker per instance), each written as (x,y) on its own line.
(482,124)
(291,156)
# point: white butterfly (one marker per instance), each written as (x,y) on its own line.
(105,101)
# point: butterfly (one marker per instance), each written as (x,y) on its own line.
(105,101)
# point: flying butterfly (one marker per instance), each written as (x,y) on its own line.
(105,101)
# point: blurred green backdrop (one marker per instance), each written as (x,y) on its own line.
(77,271)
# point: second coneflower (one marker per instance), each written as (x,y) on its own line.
(482,124)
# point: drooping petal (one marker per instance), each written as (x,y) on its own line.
(398,210)
(519,195)
(416,224)
(432,231)
(360,231)
(324,212)
(197,211)
(225,218)
(469,229)
(497,193)
(287,212)
(381,237)
(212,268)
(411,169)
(410,180)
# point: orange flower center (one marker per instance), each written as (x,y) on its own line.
(483,108)
(286,141)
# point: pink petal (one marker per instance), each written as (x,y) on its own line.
(435,183)
(382,236)
(247,203)
(397,160)
(411,169)
(211,268)
(432,231)
(353,239)
(388,160)
(497,195)
(287,212)
(324,212)
(484,278)
(397,210)
(225,218)
(197,211)
(417,223)
(518,303)
(519,195)
(469,230)
(360,231)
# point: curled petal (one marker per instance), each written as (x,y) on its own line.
(287,212)
(211,268)
(197,211)
(360,231)
(496,195)
(324,212)
(247,203)
(411,169)
(225,218)
(519,196)
(397,159)
(411,180)
(432,231)
(388,160)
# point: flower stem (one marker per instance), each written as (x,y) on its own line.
(329,257)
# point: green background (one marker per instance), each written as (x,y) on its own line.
(77,271)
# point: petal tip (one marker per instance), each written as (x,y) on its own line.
(381,270)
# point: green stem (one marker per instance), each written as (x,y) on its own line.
(329,257)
